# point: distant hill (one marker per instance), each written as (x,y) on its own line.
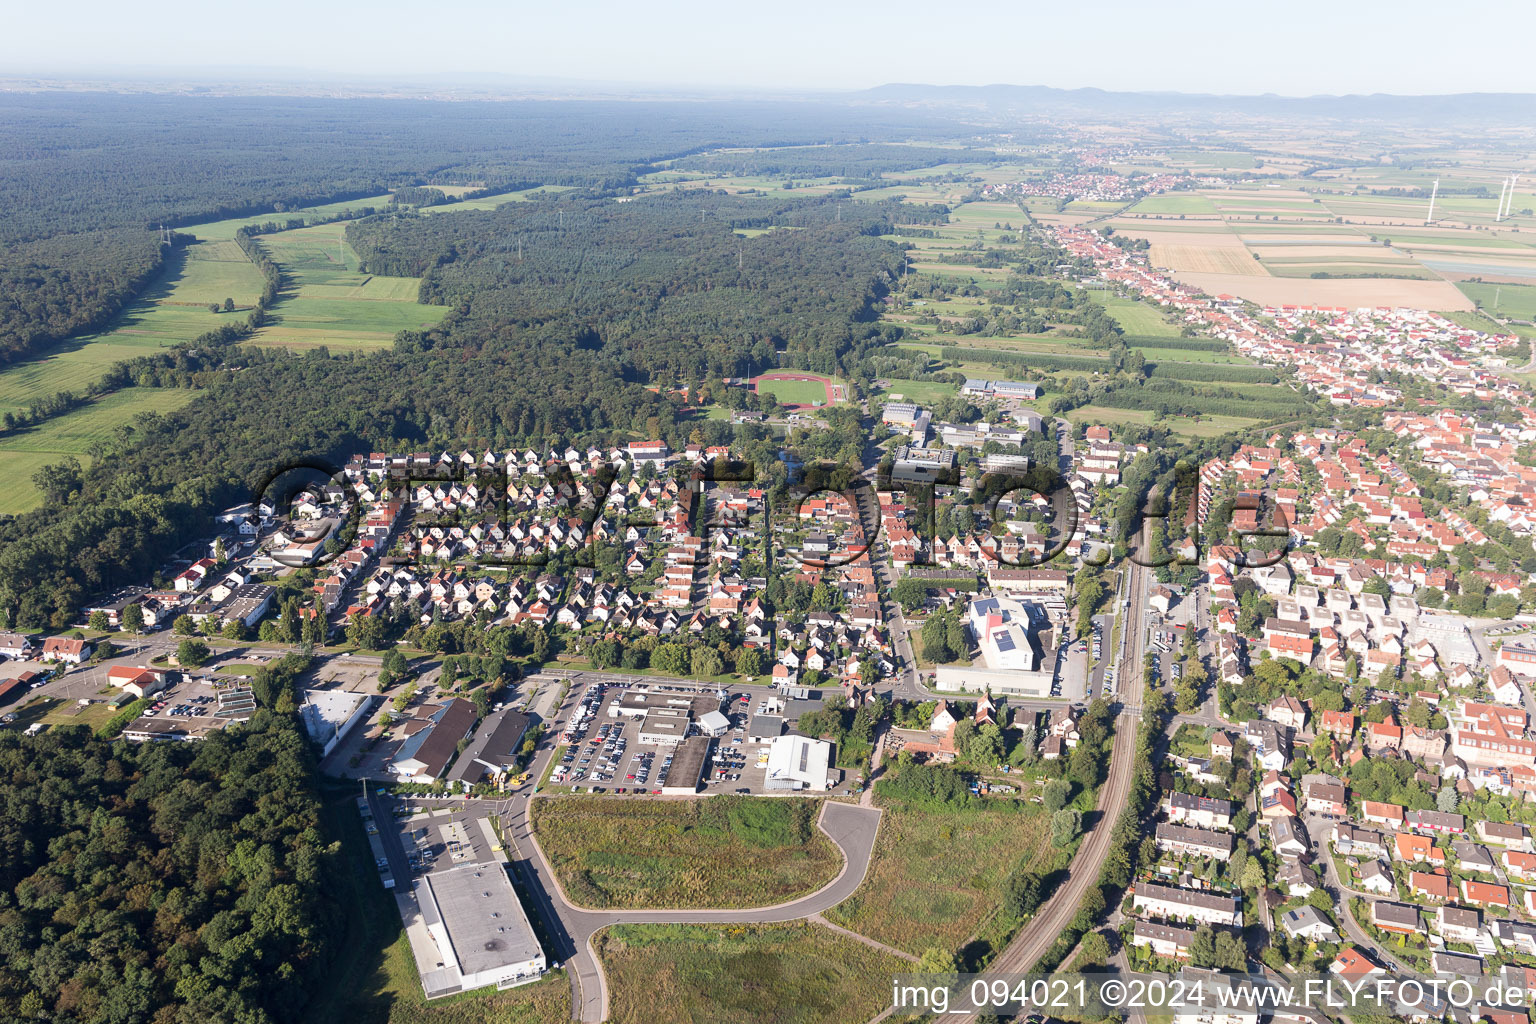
(1459,107)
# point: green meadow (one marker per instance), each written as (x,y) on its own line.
(25,452)
(1139,317)
(173,309)
(327,301)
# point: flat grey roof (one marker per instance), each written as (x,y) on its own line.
(484,919)
(688,763)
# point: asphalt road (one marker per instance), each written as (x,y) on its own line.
(852,828)
(1041,932)
(570,928)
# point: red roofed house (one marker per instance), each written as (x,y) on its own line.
(1520,866)
(141,682)
(1414,849)
(1338,724)
(1288,639)
(1484,893)
(1382,814)
(1351,963)
(1431,884)
(1383,735)
(66,649)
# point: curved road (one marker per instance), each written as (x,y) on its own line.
(853,828)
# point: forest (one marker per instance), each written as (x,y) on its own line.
(68,284)
(627,294)
(163,883)
(663,285)
(87,179)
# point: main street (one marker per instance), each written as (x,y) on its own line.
(1037,936)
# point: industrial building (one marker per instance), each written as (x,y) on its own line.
(482,934)
(432,738)
(665,716)
(799,762)
(328,715)
(687,770)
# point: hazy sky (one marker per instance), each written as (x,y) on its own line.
(1299,47)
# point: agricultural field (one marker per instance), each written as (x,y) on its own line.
(1217,159)
(787,974)
(918,894)
(225,229)
(1269,291)
(329,302)
(1219,258)
(723,852)
(1512,300)
(26,451)
(173,309)
(491,202)
(1187,203)
(375,981)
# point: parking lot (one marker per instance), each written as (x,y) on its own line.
(605,754)
(1163,643)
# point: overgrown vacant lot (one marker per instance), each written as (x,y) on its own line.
(725,851)
(937,873)
(776,974)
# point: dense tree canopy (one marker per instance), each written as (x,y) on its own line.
(170,883)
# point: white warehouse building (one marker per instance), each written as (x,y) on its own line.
(799,762)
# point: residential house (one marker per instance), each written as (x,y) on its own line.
(1324,798)
(1308,922)
(1287,711)
(1196,842)
(1382,814)
(1433,885)
(1201,811)
(1376,877)
(65,649)
(1505,834)
(1398,918)
(1204,907)
(1166,940)
(1289,838)
(1485,894)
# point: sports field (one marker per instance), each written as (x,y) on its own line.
(25,452)
(802,390)
(923,392)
